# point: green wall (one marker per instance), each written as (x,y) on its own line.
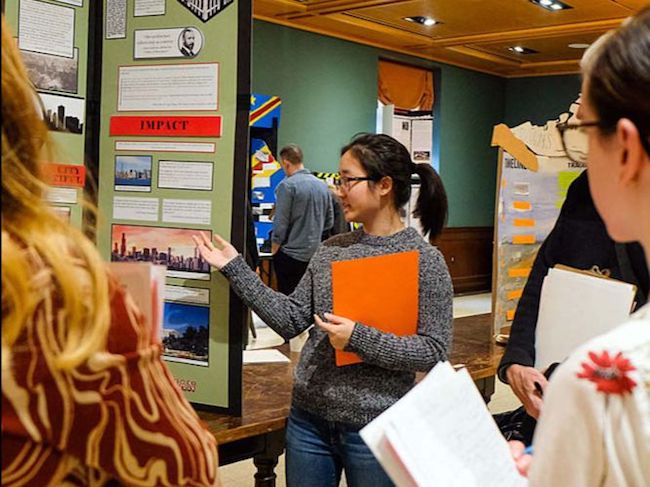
(539,99)
(328,91)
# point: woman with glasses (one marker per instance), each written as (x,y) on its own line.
(331,404)
(594,428)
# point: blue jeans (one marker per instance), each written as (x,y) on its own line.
(318,450)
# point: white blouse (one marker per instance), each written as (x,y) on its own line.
(594,428)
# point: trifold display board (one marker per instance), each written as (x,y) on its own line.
(173,163)
(53,39)
(533,177)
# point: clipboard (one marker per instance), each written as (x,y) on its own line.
(382,292)
(576,306)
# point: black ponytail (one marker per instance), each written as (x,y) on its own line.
(382,155)
(431,206)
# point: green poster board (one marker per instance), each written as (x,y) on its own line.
(173,162)
(57,62)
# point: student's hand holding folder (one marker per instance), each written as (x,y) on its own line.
(338,329)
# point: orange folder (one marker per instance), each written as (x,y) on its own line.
(382,292)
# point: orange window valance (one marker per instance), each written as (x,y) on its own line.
(406,87)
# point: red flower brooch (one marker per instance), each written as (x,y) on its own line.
(608,373)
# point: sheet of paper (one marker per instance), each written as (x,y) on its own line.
(158,146)
(127,208)
(264,357)
(47,28)
(185,175)
(184,294)
(61,195)
(177,42)
(575,308)
(187,211)
(170,87)
(115,27)
(144,8)
(441,433)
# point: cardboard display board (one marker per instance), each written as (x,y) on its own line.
(171,166)
(53,39)
(533,177)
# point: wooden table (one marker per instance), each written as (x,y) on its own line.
(259,432)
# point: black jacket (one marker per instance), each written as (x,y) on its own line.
(579,239)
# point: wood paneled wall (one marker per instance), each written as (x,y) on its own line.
(468,252)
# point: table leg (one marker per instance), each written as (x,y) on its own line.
(486,388)
(268,459)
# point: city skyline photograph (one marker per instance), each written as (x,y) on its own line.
(63,113)
(186,333)
(134,243)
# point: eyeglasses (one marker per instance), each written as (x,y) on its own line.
(343,182)
(574,139)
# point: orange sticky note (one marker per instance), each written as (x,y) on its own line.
(521,205)
(523,239)
(510,315)
(516,294)
(381,292)
(519,272)
(523,222)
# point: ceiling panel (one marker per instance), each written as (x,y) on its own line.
(473,33)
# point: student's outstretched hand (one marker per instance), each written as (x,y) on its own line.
(217,256)
(521,458)
(338,329)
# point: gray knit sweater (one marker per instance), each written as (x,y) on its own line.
(358,393)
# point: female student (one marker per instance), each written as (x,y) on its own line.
(331,404)
(594,427)
(86,397)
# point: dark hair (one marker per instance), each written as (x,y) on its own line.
(381,155)
(291,153)
(619,78)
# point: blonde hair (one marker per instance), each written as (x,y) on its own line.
(33,234)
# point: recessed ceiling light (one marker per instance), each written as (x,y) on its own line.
(522,50)
(552,5)
(419,19)
(578,45)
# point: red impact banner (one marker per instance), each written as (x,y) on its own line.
(69,175)
(183,126)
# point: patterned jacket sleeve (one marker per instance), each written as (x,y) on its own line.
(118,416)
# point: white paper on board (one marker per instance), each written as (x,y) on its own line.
(47,28)
(144,8)
(115,27)
(170,87)
(193,295)
(182,42)
(62,195)
(157,146)
(196,212)
(134,208)
(185,175)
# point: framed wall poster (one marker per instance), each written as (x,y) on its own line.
(193,176)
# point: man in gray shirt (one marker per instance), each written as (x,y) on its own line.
(303,211)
